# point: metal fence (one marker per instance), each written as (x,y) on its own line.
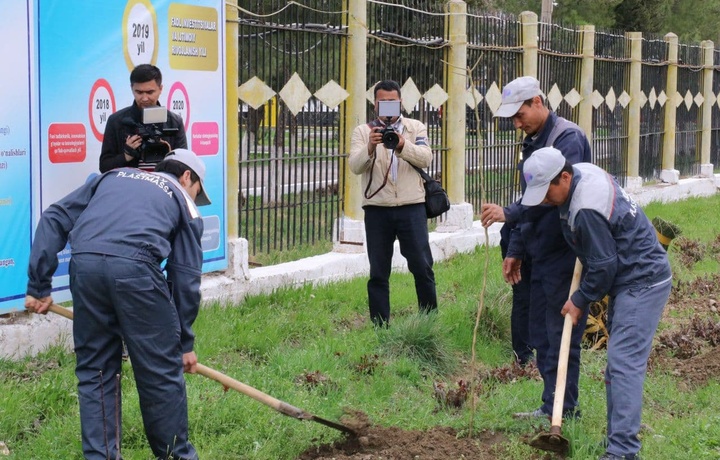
(289,165)
(406,43)
(492,149)
(293,56)
(652,83)
(715,111)
(687,127)
(610,76)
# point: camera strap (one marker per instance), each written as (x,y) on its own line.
(387,173)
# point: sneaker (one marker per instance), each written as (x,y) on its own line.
(537,413)
(608,456)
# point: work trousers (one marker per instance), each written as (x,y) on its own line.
(633,317)
(549,292)
(520,313)
(116,298)
(520,316)
(407,224)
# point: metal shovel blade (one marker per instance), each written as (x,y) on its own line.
(552,441)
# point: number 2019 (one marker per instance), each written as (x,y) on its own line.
(141,31)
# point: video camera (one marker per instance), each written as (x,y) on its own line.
(151,150)
(388,110)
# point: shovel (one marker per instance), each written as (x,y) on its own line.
(228,382)
(554,441)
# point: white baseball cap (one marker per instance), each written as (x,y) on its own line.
(515,93)
(539,170)
(191,160)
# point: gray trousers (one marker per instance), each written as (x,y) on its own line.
(116,298)
(633,317)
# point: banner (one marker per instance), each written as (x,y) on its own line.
(16,220)
(85,52)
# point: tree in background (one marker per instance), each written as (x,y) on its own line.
(643,15)
(690,20)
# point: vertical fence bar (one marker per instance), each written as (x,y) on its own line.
(669,173)
(355,104)
(706,167)
(530,28)
(231,113)
(633,144)
(587,72)
(455,120)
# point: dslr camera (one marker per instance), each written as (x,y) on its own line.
(387,110)
(151,150)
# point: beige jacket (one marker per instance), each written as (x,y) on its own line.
(408,188)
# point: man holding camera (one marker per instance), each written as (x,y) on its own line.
(384,152)
(127,138)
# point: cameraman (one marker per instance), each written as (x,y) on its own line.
(393,202)
(121,145)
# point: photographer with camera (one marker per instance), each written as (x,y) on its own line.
(128,140)
(384,152)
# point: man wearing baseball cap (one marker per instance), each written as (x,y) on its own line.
(121,225)
(619,249)
(536,259)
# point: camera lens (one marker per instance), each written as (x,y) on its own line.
(390,138)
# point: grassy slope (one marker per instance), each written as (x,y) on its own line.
(275,342)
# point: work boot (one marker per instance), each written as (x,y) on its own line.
(537,413)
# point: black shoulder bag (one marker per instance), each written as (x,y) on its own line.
(436,198)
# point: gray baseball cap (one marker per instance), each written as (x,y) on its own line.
(515,93)
(539,170)
(191,160)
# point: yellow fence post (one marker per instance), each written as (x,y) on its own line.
(460,215)
(633,146)
(350,229)
(669,174)
(530,27)
(587,77)
(232,135)
(706,167)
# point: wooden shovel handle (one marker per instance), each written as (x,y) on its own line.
(561,379)
(62,311)
(229,382)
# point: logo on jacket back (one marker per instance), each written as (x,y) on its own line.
(156,179)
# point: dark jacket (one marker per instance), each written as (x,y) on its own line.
(128,213)
(118,129)
(536,232)
(611,236)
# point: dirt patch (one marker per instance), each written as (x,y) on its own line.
(688,346)
(392,443)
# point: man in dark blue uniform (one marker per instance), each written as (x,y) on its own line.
(121,225)
(619,249)
(537,260)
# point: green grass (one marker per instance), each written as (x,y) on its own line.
(276,342)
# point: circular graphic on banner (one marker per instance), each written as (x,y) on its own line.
(140,33)
(100,106)
(179,102)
